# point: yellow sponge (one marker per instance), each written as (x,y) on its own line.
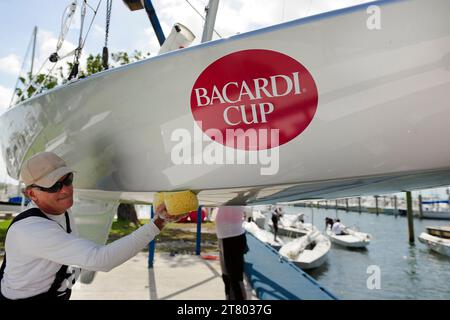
(158,199)
(177,202)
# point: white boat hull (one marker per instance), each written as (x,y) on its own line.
(311,265)
(259,218)
(115,127)
(358,240)
(436,244)
(380,93)
(439,215)
(296,251)
(292,232)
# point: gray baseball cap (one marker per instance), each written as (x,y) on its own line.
(44,169)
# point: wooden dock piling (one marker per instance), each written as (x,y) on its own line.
(410,216)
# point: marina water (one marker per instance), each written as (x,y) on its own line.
(406,271)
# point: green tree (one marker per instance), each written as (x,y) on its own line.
(93,66)
(41,83)
(123,58)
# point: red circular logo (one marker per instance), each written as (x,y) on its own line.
(254,99)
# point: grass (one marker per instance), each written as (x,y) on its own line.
(4,224)
(174,238)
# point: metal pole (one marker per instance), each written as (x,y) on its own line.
(448,194)
(151,245)
(376,204)
(155,21)
(210,20)
(359,204)
(32,52)
(420,206)
(199,231)
(410,216)
(336,208)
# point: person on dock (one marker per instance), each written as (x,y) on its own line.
(42,245)
(276,215)
(232,247)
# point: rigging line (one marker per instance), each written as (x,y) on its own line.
(105,52)
(92,21)
(66,21)
(32,83)
(108,20)
(21,69)
(80,38)
(87,3)
(81,41)
(77,54)
(32,80)
(45,78)
(201,16)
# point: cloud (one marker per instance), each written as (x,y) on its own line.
(5,98)
(98,31)
(239,16)
(10,64)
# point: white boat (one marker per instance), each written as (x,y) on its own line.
(353,238)
(439,215)
(263,235)
(437,239)
(120,129)
(259,218)
(307,252)
(291,226)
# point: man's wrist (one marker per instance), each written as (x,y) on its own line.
(159,222)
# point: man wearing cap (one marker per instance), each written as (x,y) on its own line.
(42,245)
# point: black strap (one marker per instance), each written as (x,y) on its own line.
(33,212)
(69,230)
(62,272)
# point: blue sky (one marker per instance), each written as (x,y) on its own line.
(128,30)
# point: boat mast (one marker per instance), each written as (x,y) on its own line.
(35,30)
(210,20)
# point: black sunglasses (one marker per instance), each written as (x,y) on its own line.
(58,185)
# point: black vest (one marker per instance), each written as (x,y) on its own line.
(60,276)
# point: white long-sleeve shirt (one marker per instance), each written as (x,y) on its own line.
(36,248)
(338,228)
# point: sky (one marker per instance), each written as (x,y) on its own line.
(129,30)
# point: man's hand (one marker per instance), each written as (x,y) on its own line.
(162,217)
(160,222)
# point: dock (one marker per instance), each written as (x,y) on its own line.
(274,278)
(173,277)
(193,277)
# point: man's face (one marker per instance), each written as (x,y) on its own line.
(53,203)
